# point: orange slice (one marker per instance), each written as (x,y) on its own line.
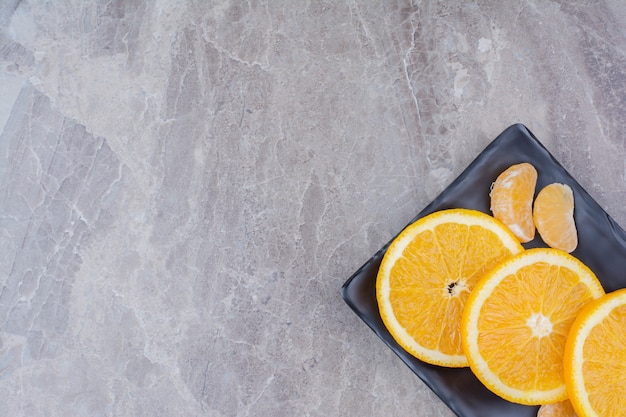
(427,273)
(595,358)
(517,318)
(553,214)
(512,199)
(560,409)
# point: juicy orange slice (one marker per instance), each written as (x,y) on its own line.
(595,358)
(553,214)
(427,273)
(517,318)
(559,409)
(512,199)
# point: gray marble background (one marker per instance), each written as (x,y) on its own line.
(186,185)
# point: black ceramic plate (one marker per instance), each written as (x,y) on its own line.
(602,247)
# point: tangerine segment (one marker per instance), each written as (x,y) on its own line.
(595,358)
(559,409)
(516,321)
(427,273)
(553,214)
(512,199)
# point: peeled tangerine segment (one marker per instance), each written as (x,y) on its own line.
(512,200)
(553,214)
(558,409)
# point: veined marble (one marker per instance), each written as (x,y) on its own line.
(185,185)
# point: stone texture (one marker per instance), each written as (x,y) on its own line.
(185,185)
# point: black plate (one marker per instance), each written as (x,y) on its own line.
(601,246)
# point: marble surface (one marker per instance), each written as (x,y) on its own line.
(186,185)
